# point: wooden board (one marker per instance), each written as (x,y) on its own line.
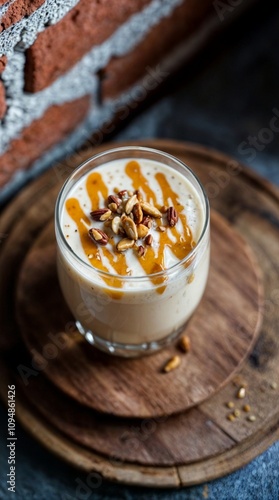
(137,387)
(252,206)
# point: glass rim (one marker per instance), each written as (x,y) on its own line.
(122,277)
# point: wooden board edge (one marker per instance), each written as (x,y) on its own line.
(249,449)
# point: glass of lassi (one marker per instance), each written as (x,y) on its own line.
(133,240)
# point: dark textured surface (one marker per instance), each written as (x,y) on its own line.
(223,98)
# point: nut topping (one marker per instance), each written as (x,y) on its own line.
(138,194)
(141,251)
(98,236)
(148,240)
(130,204)
(125,244)
(113,207)
(129,227)
(150,210)
(123,194)
(172,216)
(130,217)
(138,214)
(101,214)
(115,224)
(114,199)
(142,231)
(147,221)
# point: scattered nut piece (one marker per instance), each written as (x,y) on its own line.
(241,393)
(130,204)
(124,244)
(185,343)
(251,418)
(239,381)
(101,214)
(273,385)
(231,417)
(191,278)
(246,408)
(142,231)
(230,404)
(164,209)
(98,236)
(150,210)
(172,216)
(148,240)
(236,413)
(172,364)
(162,229)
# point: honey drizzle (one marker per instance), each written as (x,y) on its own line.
(133,171)
(155,262)
(94,186)
(152,262)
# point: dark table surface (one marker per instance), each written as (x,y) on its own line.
(227,98)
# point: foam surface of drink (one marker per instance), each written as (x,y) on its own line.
(160,185)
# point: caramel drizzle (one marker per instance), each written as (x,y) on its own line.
(96,186)
(152,262)
(155,262)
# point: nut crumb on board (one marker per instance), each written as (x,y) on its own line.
(172,364)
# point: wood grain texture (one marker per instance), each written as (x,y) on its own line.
(252,206)
(137,387)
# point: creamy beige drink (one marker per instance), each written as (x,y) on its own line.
(133,249)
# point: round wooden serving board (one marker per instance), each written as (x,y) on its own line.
(198,444)
(222,331)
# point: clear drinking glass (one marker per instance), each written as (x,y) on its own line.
(142,319)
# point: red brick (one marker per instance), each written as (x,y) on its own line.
(3,62)
(59,47)
(41,135)
(125,71)
(18,10)
(3,106)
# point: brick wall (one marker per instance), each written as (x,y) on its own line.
(60,46)
(2,101)
(123,72)
(41,135)
(17,10)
